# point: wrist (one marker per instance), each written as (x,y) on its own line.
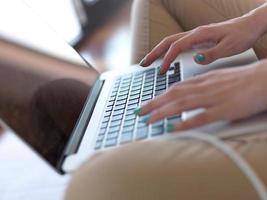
(256,20)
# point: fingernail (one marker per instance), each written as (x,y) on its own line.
(138,110)
(170,127)
(143,62)
(199,57)
(146,119)
(159,71)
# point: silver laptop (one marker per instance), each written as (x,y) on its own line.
(112,122)
(107,120)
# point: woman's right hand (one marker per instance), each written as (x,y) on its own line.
(229,38)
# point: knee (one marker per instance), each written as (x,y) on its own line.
(150,170)
(112,175)
(159,170)
(131,172)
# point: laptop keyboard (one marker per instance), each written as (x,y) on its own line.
(120,125)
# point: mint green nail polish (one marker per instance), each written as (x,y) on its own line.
(146,119)
(170,127)
(158,71)
(138,110)
(199,57)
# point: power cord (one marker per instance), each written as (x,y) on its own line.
(234,156)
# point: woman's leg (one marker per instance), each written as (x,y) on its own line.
(165,17)
(170,170)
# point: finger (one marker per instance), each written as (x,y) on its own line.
(154,104)
(179,106)
(206,117)
(208,56)
(181,45)
(160,49)
(166,98)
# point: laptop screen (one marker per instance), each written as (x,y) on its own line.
(44,83)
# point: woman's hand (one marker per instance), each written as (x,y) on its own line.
(228,94)
(228,38)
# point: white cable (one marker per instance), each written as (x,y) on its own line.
(234,156)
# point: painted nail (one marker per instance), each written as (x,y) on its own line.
(199,57)
(146,119)
(159,71)
(170,127)
(143,62)
(138,110)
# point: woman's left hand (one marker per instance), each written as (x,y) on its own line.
(228,94)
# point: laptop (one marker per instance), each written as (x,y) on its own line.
(107,120)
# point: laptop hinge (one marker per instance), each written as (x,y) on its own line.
(84,119)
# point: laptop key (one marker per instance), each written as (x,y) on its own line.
(113,136)
(135,92)
(118,112)
(106,119)
(115,123)
(129,112)
(149,71)
(114,129)
(102,131)
(127,129)
(174,79)
(147,92)
(142,133)
(177,75)
(110,103)
(119,107)
(149,79)
(107,114)
(117,117)
(141,124)
(111,142)
(149,84)
(161,87)
(157,93)
(98,145)
(147,97)
(126,138)
(130,117)
(157,130)
(171,68)
(133,101)
(135,96)
(159,123)
(112,98)
(109,108)
(124,92)
(161,83)
(174,119)
(100,138)
(115,88)
(129,123)
(147,88)
(121,97)
(120,102)
(132,106)
(136,87)
(104,125)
